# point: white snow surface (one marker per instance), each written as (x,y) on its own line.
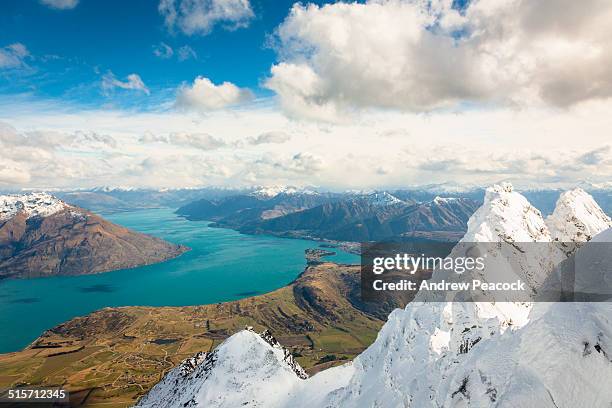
(506,216)
(577,217)
(449,354)
(32,204)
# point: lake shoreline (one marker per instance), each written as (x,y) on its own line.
(223,265)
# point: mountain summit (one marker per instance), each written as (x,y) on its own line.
(248,369)
(577,217)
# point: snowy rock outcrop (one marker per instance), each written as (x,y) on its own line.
(32,205)
(576,217)
(247,369)
(464,354)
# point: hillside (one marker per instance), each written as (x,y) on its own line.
(41,235)
(114,355)
(370,218)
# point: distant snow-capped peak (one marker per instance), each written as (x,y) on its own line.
(272,191)
(440,200)
(32,204)
(382,199)
(577,217)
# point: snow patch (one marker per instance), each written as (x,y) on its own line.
(32,204)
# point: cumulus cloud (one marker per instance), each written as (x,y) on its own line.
(163,50)
(201,16)
(203,95)
(133,82)
(269,137)
(423,55)
(13,56)
(532,148)
(60,4)
(46,158)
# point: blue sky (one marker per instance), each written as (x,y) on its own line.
(71,48)
(369,94)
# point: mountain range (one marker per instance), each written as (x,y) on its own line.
(119,198)
(356,217)
(450,354)
(41,235)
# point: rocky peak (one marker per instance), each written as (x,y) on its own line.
(507,216)
(246,369)
(31,204)
(267,336)
(577,217)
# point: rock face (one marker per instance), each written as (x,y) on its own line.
(41,235)
(447,354)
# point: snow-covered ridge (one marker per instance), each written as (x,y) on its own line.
(32,204)
(576,217)
(440,200)
(382,199)
(506,216)
(246,369)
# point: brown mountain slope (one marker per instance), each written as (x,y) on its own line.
(74,242)
(113,356)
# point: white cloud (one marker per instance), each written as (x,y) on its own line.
(423,55)
(133,82)
(82,138)
(13,56)
(13,173)
(186,52)
(163,50)
(202,141)
(60,146)
(200,16)
(60,4)
(269,137)
(203,95)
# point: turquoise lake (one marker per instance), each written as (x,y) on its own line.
(222,265)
